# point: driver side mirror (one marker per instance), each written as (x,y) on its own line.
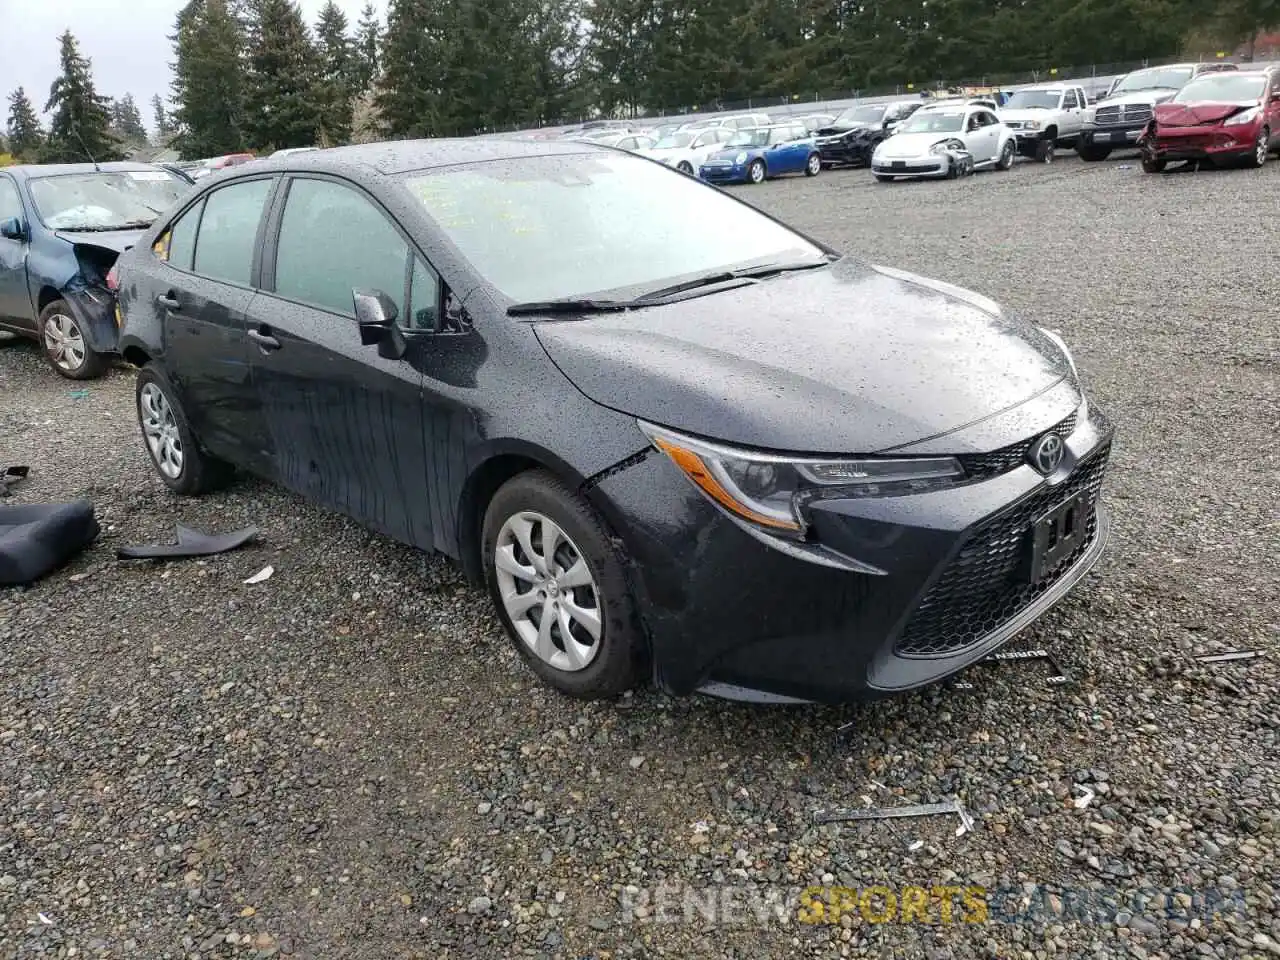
(12,229)
(376,315)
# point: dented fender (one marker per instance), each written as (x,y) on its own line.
(94,310)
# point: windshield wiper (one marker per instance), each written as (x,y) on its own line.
(99,228)
(725,276)
(568,305)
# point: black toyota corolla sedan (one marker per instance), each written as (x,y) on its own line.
(672,436)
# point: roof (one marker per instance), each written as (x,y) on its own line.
(401,156)
(30,170)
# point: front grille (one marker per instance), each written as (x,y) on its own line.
(1126,113)
(980,466)
(983,587)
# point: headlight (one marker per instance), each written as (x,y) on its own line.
(1031,125)
(741,158)
(1062,345)
(944,146)
(770,491)
(1089,114)
(1249,116)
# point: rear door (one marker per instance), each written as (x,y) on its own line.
(200,280)
(1271,104)
(347,422)
(15,298)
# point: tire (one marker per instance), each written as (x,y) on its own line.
(1261,149)
(65,346)
(1153,164)
(685,167)
(1006,156)
(953,170)
(756,171)
(585,666)
(1091,152)
(884,178)
(814,165)
(1047,146)
(166,431)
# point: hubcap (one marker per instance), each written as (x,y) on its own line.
(548,592)
(757,172)
(160,430)
(64,342)
(1261,148)
(815,164)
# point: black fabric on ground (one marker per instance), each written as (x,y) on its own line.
(191,543)
(38,538)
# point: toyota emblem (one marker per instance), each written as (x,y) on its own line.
(1046,453)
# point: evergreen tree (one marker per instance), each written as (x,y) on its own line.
(81,125)
(412,75)
(282,96)
(126,121)
(207,93)
(160,117)
(25,136)
(336,72)
(365,53)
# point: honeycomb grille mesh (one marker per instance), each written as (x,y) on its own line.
(980,466)
(984,587)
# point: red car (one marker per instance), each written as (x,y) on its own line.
(1230,116)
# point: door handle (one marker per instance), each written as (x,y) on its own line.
(264,340)
(169,300)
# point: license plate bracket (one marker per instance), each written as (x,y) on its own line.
(898,164)
(1057,534)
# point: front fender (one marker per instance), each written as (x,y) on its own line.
(94,311)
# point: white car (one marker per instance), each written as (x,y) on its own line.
(942,140)
(687,149)
(1045,116)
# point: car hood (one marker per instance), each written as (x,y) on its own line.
(1028,113)
(117,240)
(728,153)
(1194,114)
(844,128)
(912,144)
(850,358)
(1152,96)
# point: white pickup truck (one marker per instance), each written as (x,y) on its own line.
(1045,116)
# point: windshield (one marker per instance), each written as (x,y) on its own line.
(1223,88)
(551,228)
(673,140)
(105,201)
(933,121)
(871,113)
(1034,100)
(749,138)
(1169,78)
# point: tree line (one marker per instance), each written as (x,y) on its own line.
(253,74)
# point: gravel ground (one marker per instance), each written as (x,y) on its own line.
(348,760)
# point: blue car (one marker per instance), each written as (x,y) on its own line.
(758,153)
(61,228)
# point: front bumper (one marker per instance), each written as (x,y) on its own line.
(730,615)
(723,173)
(853,153)
(1115,137)
(1202,142)
(929,165)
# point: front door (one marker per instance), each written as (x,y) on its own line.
(200,281)
(347,422)
(15,298)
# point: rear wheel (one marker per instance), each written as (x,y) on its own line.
(1261,148)
(1091,152)
(559,588)
(177,457)
(756,171)
(65,345)
(814,166)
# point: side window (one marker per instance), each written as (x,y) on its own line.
(1069,101)
(626,143)
(333,240)
(424,299)
(228,229)
(10,202)
(975,122)
(178,244)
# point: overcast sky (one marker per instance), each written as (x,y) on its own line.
(127,40)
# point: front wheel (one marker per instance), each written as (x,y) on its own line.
(182,465)
(1152,164)
(65,345)
(756,171)
(1091,152)
(1261,148)
(559,588)
(884,178)
(1045,149)
(1006,155)
(814,166)
(685,167)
